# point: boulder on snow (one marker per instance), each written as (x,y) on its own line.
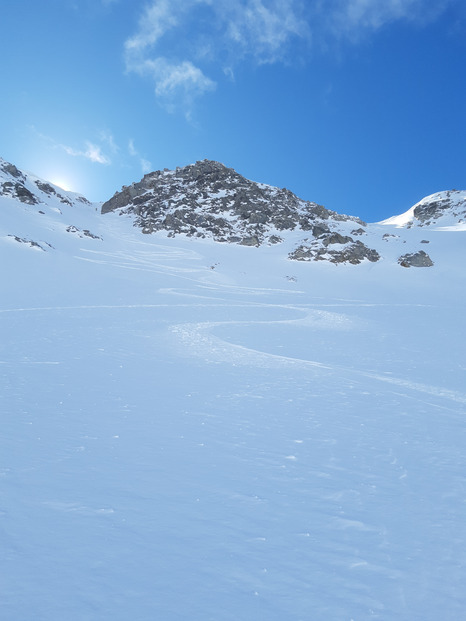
(416,259)
(353,253)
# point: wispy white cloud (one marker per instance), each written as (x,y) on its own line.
(173,81)
(180,44)
(176,82)
(374,13)
(131,148)
(92,152)
(145,165)
(155,21)
(263,30)
(207,31)
(355,18)
(107,137)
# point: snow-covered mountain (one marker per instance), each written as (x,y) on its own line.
(209,200)
(205,430)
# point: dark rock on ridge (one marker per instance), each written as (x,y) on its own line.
(12,170)
(430,209)
(16,189)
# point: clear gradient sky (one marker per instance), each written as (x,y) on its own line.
(359,105)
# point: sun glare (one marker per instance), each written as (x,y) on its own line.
(61,183)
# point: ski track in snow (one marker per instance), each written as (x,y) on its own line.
(416,386)
(197,339)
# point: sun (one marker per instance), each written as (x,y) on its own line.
(61,183)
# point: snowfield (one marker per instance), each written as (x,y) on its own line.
(202,431)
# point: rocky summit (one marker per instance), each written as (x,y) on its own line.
(207,199)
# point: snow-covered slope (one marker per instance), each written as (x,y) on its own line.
(210,431)
(36,213)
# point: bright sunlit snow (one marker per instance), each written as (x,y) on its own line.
(202,431)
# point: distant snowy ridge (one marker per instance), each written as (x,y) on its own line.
(31,190)
(38,214)
(442,209)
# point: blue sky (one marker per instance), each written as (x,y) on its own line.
(356,104)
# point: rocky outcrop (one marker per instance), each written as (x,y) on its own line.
(349,251)
(17,189)
(11,169)
(415,259)
(81,232)
(208,199)
(31,243)
(434,207)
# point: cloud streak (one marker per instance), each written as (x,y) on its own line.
(172,81)
(146,166)
(176,81)
(263,31)
(92,152)
(107,137)
(353,19)
(156,20)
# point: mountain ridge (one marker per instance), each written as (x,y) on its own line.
(208,200)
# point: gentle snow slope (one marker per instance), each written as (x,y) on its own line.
(198,431)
